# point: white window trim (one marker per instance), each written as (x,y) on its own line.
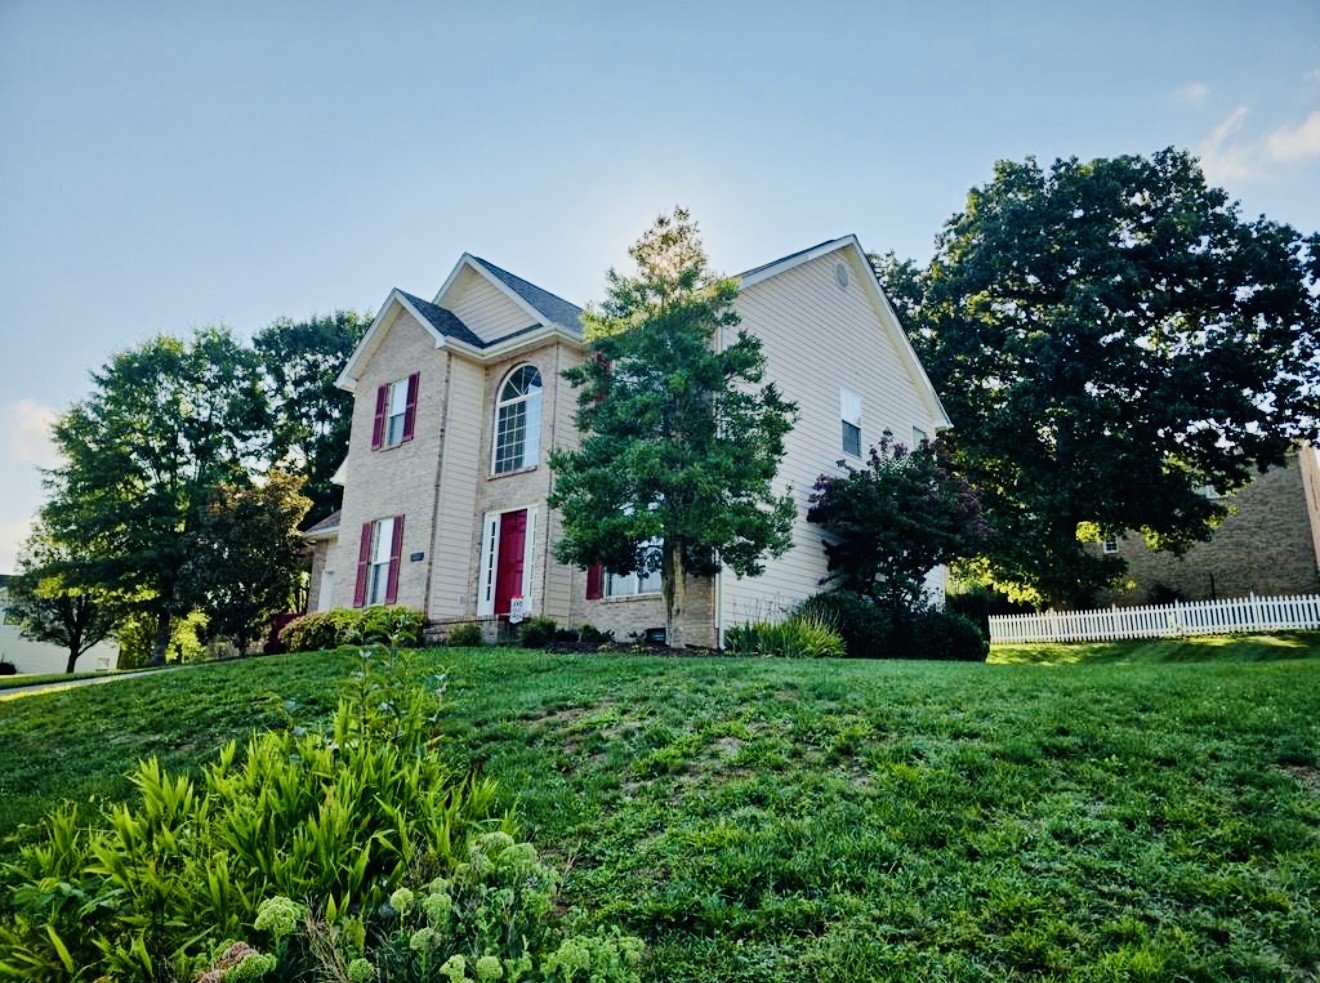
(850,413)
(489,559)
(530,435)
(382,541)
(1110,546)
(608,594)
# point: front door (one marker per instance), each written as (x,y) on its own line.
(509,575)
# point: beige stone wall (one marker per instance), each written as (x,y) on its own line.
(398,480)
(1266,547)
(625,615)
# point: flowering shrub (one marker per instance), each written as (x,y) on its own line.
(394,625)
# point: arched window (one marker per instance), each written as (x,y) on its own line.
(518,421)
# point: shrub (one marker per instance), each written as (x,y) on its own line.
(872,632)
(940,634)
(868,632)
(802,636)
(7,668)
(466,635)
(594,636)
(538,632)
(395,625)
(150,889)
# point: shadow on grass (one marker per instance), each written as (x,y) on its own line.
(1205,648)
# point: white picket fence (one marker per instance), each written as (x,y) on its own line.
(1243,614)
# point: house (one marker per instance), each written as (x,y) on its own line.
(459,398)
(1269,545)
(28,656)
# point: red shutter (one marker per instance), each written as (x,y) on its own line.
(396,553)
(410,414)
(364,562)
(378,430)
(595,582)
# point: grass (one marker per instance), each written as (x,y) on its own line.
(1202,648)
(34,678)
(772,820)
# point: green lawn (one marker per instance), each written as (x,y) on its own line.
(759,820)
(33,678)
(1202,648)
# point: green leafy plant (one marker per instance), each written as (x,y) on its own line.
(803,636)
(394,624)
(538,632)
(339,817)
(466,635)
(594,636)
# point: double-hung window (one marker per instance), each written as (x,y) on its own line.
(379,556)
(636,584)
(518,421)
(396,412)
(850,415)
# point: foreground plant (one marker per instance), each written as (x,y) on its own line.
(181,882)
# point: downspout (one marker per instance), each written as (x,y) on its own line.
(435,490)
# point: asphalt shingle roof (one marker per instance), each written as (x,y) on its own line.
(554,309)
(331,521)
(446,322)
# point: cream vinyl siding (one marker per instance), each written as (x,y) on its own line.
(462,469)
(564,585)
(817,338)
(398,480)
(483,307)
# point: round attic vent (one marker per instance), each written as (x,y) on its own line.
(841,274)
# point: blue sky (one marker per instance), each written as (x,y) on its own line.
(172,165)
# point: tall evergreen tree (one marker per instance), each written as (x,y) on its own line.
(681,442)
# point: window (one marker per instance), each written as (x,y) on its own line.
(850,413)
(396,412)
(378,562)
(518,421)
(634,584)
(1111,545)
(918,435)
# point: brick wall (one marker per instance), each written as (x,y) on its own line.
(1265,547)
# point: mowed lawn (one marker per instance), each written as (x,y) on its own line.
(771,820)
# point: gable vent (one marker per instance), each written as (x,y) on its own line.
(841,274)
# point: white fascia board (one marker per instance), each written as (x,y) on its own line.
(320,534)
(888,316)
(470,261)
(348,377)
(513,345)
(536,316)
(783,266)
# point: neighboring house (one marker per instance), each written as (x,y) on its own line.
(459,398)
(1268,545)
(29,656)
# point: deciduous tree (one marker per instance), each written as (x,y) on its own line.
(311,415)
(50,607)
(169,422)
(895,520)
(681,438)
(1108,338)
(244,556)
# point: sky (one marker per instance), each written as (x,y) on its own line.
(168,166)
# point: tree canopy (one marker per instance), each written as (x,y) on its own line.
(169,423)
(1110,337)
(311,416)
(50,607)
(681,440)
(895,520)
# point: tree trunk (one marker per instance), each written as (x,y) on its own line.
(73,658)
(672,585)
(162,641)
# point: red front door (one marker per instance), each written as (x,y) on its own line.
(509,576)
